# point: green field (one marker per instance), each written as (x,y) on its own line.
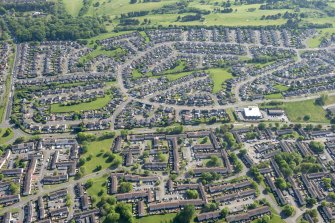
(323,33)
(97,187)
(96,150)
(116,7)
(281,88)
(298,109)
(274,96)
(85,106)
(176,76)
(97,52)
(219,76)
(73,6)
(5,139)
(163,218)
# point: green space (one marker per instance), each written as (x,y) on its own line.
(179,68)
(117,7)
(274,96)
(3,104)
(219,76)
(97,52)
(162,218)
(145,36)
(176,76)
(95,155)
(136,74)
(84,106)
(5,135)
(98,186)
(280,87)
(73,6)
(322,33)
(296,111)
(330,100)
(302,111)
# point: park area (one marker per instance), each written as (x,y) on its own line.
(95,155)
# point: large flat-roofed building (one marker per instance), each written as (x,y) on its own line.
(252,112)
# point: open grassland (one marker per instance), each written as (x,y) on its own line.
(73,6)
(95,155)
(297,110)
(117,7)
(84,106)
(219,76)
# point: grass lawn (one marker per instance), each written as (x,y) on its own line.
(219,76)
(280,87)
(162,218)
(73,6)
(298,109)
(95,150)
(330,100)
(176,76)
(5,139)
(136,74)
(316,40)
(274,96)
(3,105)
(85,106)
(117,7)
(145,36)
(179,68)
(99,184)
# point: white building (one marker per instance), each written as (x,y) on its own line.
(252,112)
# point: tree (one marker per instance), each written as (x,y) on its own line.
(288,210)
(125,212)
(316,147)
(281,183)
(321,101)
(185,215)
(261,126)
(125,187)
(192,194)
(332,195)
(113,217)
(210,207)
(224,212)
(14,188)
(214,161)
(307,118)
(311,201)
(229,137)
(89,183)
